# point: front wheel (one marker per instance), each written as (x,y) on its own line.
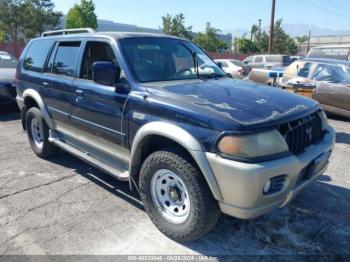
(38,134)
(177,197)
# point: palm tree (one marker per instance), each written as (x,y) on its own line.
(253,31)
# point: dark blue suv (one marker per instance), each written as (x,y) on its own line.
(156,111)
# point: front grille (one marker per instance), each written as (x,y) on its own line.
(303,132)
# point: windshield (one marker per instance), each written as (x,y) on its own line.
(164,59)
(7,61)
(237,63)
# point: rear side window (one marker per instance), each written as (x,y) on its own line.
(66,58)
(35,57)
(258,59)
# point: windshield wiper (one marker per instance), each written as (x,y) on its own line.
(213,75)
(194,57)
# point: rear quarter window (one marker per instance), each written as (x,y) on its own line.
(36,55)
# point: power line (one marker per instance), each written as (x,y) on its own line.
(328,10)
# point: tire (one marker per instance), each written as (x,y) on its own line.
(38,134)
(195,220)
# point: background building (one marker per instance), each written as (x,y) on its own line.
(324,41)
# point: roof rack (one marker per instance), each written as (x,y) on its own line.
(68,31)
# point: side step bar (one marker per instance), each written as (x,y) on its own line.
(113,170)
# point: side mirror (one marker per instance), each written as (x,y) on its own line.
(105,73)
(219,64)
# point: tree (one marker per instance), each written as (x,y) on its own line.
(245,46)
(43,17)
(176,26)
(2,37)
(23,19)
(82,15)
(253,32)
(209,41)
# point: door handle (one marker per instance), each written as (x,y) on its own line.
(79,92)
(45,84)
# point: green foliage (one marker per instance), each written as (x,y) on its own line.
(259,41)
(245,46)
(282,42)
(23,19)
(43,17)
(253,32)
(82,15)
(209,41)
(2,37)
(176,26)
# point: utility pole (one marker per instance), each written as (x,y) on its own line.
(272,24)
(308,42)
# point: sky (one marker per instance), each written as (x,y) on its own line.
(222,14)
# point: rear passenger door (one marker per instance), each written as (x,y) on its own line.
(98,109)
(57,81)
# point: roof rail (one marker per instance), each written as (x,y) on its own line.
(68,31)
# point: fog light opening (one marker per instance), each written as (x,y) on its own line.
(267,186)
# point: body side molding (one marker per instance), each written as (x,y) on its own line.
(181,137)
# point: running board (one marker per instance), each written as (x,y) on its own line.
(114,170)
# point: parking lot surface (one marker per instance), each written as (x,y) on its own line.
(64,206)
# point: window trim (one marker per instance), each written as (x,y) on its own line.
(59,41)
(22,66)
(82,53)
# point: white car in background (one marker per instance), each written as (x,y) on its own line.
(233,67)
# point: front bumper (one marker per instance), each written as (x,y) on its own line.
(7,92)
(241,184)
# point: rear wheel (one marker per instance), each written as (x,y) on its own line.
(38,134)
(177,197)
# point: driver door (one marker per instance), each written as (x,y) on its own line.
(98,110)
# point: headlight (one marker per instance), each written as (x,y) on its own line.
(255,145)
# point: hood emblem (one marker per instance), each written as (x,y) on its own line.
(261,101)
(309,132)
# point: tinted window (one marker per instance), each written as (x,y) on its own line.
(94,52)
(330,73)
(305,70)
(223,64)
(66,58)
(284,60)
(35,57)
(7,61)
(258,59)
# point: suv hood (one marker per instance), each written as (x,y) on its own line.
(232,104)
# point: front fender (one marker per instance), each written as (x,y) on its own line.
(37,98)
(180,136)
